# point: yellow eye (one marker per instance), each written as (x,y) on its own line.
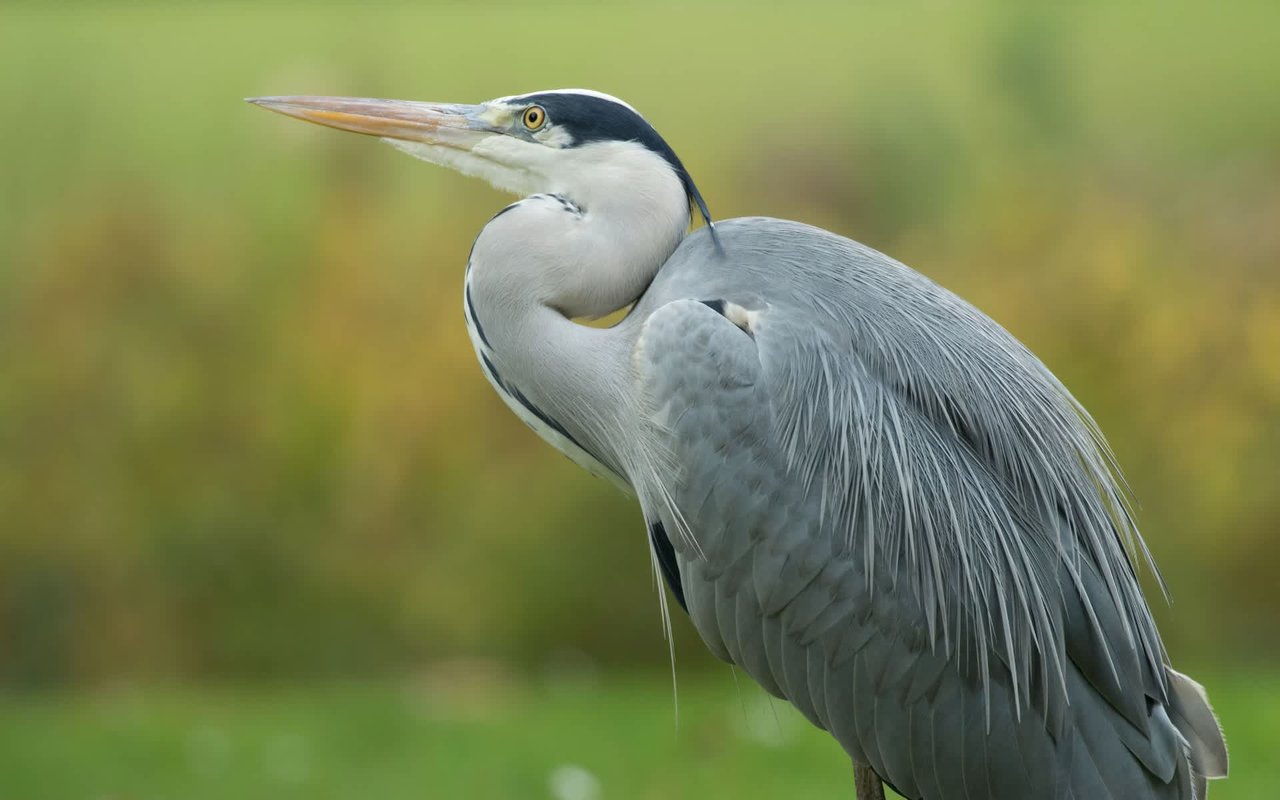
(534,117)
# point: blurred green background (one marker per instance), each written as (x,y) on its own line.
(266,532)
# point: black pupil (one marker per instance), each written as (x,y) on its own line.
(533,117)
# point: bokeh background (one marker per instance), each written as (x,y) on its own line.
(266,532)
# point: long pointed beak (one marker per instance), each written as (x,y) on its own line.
(444,124)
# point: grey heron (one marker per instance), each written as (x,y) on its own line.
(864,492)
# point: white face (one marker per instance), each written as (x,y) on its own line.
(531,151)
(627,193)
(589,146)
(505,163)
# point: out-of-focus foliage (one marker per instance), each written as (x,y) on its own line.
(241,430)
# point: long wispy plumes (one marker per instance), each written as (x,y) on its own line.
(871,403)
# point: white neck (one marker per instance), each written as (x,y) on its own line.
(619,214)
(626,212)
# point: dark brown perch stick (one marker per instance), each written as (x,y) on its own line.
(867,783)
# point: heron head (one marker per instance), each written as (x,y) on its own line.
(582,144)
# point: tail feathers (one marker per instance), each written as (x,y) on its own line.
(1187,776)
(1199,785)
(1191,714)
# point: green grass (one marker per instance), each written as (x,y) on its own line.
(471,731)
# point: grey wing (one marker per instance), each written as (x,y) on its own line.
(981,669)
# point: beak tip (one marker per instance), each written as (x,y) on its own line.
(280,105)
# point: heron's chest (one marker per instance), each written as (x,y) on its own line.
(548,427)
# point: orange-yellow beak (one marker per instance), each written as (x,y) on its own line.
(446,124)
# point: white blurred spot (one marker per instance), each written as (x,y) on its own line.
(571,782)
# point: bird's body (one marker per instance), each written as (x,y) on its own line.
(865,492)
(827,608)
